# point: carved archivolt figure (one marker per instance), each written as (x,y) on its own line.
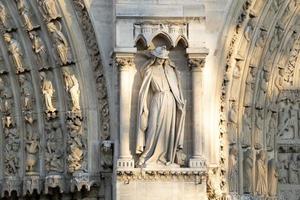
(4,18)
(72,86)
(39,49)
(28,23)
(236,81)
(32,147)
(14,49)
(272,130)
(233,170)
(263,87)
(160,124)
(48,91)
(27,92)
(49,9)
(248,171)
(288,126)
(246,130)
(261,174)
(258,134)
(232,123)
(272,178)
(250,86)
(282,169)
(260,41)
(6,97)
(61,43)
(293,170)
(279,82)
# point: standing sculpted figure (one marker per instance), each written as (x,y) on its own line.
(263,87)
(48,91)
(4,18)
(61,43)
(14,49)
(72,86)
(247,171)
(49,9)
(293,170)
(160,123)
(272,178)
(250,86)
(233,170)
(27,92)
(261,174)
(246,128)
(39,49)
(236,81)
(259,125)
(232,123)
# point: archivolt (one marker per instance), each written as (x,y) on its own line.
(260,62)
(51,84)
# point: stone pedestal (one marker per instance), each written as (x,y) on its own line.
(177,184)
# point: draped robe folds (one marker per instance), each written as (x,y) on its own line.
(160,117)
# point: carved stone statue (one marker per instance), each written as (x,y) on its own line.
(282,169)
(279,82)
(236,81)
(246,128)
(293,170)
(28,23)
(15,51)
(4,18)
(233,169)
(247,37)
(6,97)
(263,87)
(166,110)
(27,93)
(232,123)
(40,50)
(54,147)
(288,120)
(32,148)
(50,10)
(260,41)
(272,130)
(272,178)
(72,86)
(261,174)
(48,92)
(61,43)
(107,154)
(250,86)
(259,125)
(248,171)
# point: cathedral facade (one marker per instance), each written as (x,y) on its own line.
(150,99)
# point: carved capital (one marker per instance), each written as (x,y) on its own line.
(82,180)
(124,63)
(196,64)
(53,181)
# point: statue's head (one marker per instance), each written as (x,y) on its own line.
(51,27)
(7,37)
(161,53)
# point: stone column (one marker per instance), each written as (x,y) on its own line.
(196,61)
(125,65)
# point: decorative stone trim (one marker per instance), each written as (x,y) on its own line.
(186,174)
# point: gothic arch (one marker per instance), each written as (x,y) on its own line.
(54,102)
(260,61)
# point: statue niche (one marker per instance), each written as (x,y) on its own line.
(160,122)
